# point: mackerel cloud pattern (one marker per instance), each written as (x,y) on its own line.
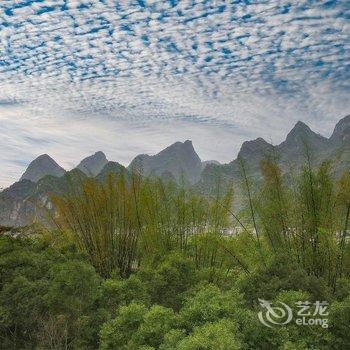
(165,59)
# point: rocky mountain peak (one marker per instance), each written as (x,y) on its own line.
(178,146)
(110,168)
(299,130)
(183,151)
(178,159)
(341,131)
(301,136)
(257,146)
(92,165)
(140,164)
(40,167)
(188,144)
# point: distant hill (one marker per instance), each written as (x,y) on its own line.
(92,165)
(180,160)
(300,143)
(23,202)
(40,167)
(110,168)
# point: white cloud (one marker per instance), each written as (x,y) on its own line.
(248,71)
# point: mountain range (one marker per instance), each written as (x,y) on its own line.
(23,202)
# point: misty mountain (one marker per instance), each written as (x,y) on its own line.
(301,143)
(25,201)
(178,160)
(30,198)
(40,167)
(93,165)
(207,162)
(340,145)
(341,133)
(110,168)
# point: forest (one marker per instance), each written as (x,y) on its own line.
(141,263)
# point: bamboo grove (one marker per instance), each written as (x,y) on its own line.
(129,220)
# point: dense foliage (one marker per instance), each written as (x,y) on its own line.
(143,264)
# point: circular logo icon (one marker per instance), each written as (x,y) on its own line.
(274,315)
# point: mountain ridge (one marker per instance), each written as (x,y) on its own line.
(41,166)
(178,159)
(93,164)
(19,202)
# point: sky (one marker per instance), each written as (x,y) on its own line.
(129,77)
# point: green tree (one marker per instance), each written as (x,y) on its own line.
(121,292)
(135,326)
(169,279)
(210,304)
(157,322)
(339,317)
(220,335)
(118,333)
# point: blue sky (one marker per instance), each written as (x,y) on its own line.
(129,77)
